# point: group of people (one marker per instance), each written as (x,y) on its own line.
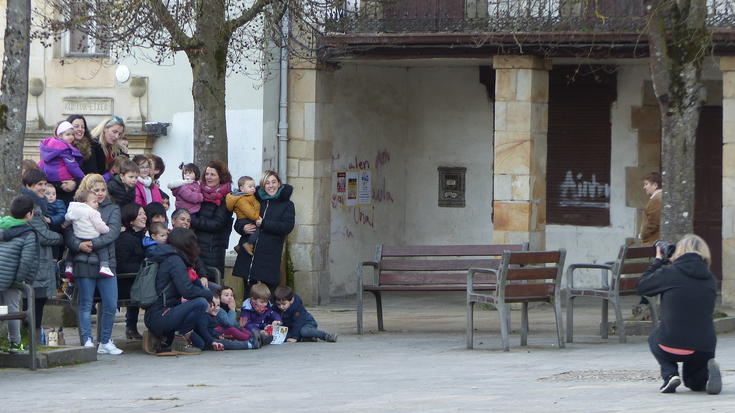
(89,205)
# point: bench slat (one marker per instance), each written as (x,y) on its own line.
(627,283)
(448,250)
(533,273)
(528,290)
(635,268)
(535,257)
(437,265)
(434,278)
(640,252)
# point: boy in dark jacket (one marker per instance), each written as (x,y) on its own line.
(301,324)
(55,212)
(121,186)
(19,258)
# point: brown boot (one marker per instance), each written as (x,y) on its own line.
(182,345)
(248,247)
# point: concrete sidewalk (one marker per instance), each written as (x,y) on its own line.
(420,364)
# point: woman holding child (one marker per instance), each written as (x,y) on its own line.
(213,223)
(87,274)
(130,254)
(277,215)
(105,145)
(170,321)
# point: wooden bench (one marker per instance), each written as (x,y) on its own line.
(28,315)
(426,268)
(73,302)
(523,277)
(617,279)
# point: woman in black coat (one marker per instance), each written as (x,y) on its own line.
(130,254)
(213,223)
(686,333)
(170,322)
(277,215)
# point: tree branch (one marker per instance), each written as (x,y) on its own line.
(164,16)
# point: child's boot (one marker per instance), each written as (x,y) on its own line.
(331,338)
(107,272)
(69,271)
(248,247)
(254,343)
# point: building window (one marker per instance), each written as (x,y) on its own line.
(81,42)
(579,141)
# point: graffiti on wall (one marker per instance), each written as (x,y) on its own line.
(575,191)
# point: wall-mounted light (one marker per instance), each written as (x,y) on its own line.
(157,128)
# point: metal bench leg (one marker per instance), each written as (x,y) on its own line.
(470,324)
(619,319)
(524,324)
(379,308)
(570,319)
(604,325)
(559,321)
(503,311)
(359,310)
(654,311)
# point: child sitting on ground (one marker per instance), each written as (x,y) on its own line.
(87,225)
(301,324)
(211,339)
(188,191)
(227,319)
(158,235)
(258,310)
(121,186)
(19,255)
(245,205)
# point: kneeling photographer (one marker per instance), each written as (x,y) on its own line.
(686,332)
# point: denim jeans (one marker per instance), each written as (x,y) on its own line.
(108,292)
(310,330)
(184,317)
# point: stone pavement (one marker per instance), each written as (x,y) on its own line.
(420,364)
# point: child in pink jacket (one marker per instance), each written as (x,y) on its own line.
(88,224)
(61,161)
(146,191)
(188,191)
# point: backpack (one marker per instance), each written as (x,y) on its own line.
(143,292)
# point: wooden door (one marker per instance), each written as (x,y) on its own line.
(708,184)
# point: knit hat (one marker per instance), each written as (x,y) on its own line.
(63,127)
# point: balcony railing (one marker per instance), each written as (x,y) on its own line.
(505,16)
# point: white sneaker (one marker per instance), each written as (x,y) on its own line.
(89,343)
(108,348)
(107,272)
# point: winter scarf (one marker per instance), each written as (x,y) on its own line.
(217,194)
(264,195)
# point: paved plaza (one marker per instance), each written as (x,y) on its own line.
(419,364)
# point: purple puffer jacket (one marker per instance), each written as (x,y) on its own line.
(60,161)
(256,320)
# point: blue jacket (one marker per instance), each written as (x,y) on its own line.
(295,317)
(149,245)
(55,212)
(256,320)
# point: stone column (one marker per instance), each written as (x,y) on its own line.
(309,170)
(727,66)
(521,123)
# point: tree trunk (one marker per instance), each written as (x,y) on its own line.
(209,69)
(14,99)
(678,42)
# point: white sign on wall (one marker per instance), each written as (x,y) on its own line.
(87,106)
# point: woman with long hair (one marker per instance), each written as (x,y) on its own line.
(170,322)
(83,143)
(105,143)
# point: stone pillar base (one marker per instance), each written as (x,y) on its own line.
(312,287)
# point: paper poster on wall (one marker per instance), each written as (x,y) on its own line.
(341,182)
(351,189)
(364,188)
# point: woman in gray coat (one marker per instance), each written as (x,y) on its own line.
(44,286)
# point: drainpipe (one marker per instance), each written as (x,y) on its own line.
(283,101)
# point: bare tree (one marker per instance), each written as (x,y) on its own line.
(14,99)
(218,36)
(679,41)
